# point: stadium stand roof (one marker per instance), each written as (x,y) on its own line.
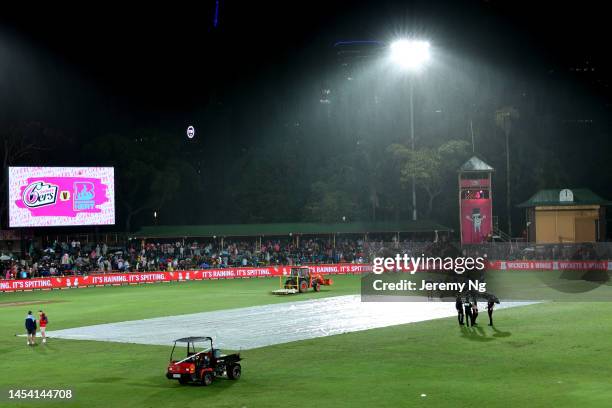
(582,196)
(246,230)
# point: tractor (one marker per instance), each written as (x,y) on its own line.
(300,279)
(202,366)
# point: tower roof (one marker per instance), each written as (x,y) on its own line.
(475,164)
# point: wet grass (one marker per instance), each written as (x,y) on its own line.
(552,354)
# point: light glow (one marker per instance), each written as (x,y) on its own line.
(410,54)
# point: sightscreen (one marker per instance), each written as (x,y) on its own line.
(59,196)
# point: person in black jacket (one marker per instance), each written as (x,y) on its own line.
(474,311)
(490,305)
(30,325)
(467,306)
(459,307)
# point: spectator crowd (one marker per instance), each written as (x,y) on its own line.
(73,258)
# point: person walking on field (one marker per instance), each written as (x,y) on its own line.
(43,325)
(30,326)
(459,307)
(490,306)
(474,312)
(467,306)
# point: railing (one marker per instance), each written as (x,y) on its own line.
(534,251)
(501,235)
(506,251)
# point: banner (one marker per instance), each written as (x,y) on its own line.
(59,196)
(476,220)
(550,265)
(132,278)
(151,277)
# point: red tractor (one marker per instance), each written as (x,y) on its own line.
(300,279)
(202,366)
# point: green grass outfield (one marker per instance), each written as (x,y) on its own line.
(546,355)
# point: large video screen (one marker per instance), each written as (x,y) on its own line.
(59,196)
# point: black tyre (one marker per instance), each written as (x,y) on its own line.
(316,286)
(234,372)
(183,381)
(303,286)
(207,379)
(290,284)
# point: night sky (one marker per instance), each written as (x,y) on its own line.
(114,68)
(121,65)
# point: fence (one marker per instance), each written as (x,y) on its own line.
(495,251)
(515,251)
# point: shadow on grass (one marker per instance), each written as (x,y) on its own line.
(41,348)
(218,387)
(478,333)
(499,333)
(161,382)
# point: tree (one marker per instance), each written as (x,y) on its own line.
(21,143)
(329,204)
(148,172)
(341,190)
(432,168)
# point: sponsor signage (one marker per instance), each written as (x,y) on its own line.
(151,277)
(66,282)
(59,196)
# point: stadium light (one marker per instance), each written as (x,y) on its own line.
(410,54)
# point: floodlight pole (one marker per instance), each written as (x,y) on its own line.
(414,208)
(409,54)
(508,198)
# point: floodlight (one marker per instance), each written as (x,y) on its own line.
(410,54)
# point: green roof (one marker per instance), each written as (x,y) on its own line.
(246,230)
(475,164)
(582,196)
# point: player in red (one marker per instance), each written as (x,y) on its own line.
(42,322)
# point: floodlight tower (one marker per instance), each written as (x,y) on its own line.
(411,56)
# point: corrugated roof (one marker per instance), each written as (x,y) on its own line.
(475,164)
(245,230)
(582,196)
